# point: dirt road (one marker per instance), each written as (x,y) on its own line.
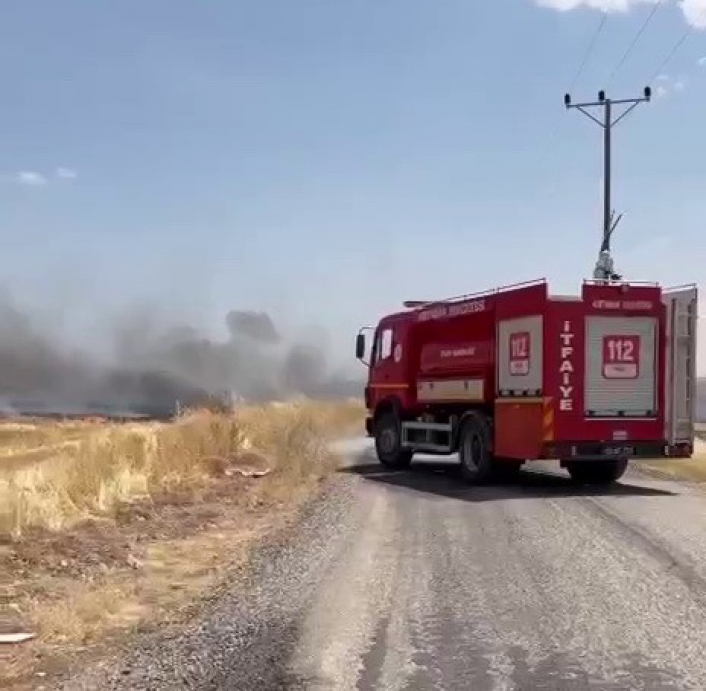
(414,581)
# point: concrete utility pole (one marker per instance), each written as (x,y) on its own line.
(604,266)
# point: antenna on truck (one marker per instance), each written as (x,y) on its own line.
(604,270)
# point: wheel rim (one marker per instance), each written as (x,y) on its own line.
(388,440)
(472,450)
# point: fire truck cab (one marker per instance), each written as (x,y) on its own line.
(517,374)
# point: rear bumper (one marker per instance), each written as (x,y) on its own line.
(595,451)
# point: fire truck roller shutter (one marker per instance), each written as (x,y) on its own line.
(620,366)
(520,356)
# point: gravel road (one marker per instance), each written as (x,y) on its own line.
(414,581)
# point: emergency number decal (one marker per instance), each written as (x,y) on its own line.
(520,345)
(621,357)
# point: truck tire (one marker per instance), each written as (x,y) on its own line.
(388,441)
(474,450)
(597,472)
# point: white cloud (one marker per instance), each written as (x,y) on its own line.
(31,178)
(667,85)
(694,10)
(66,173)
(604,5)
(702,62)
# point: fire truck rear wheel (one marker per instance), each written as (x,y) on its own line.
(597,472)
(388,442)
(474,450)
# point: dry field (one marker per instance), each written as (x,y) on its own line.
(690,469)
(109,529)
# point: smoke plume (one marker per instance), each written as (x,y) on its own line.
(148,365)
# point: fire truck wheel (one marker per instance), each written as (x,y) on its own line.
(474,450)
(388,442)
(597,472)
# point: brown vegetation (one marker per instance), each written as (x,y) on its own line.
(108,524)
(688,469)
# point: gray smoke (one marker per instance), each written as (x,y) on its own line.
(255,325)
(148,365)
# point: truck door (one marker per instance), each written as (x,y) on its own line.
(680,373)
(388,375)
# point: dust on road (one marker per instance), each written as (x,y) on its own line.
(410,580)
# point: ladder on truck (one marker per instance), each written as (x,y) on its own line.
(682,318)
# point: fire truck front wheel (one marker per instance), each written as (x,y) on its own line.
(597,472)
(388,441)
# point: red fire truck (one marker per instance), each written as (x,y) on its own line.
(518,374)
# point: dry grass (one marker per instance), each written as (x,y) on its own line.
(108,465)
(690,469)
(83,612)
(23,444)
(114,525)
(16,436)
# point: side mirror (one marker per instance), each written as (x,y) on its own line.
(360,346)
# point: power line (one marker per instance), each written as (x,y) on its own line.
(673,52)
(682,40)
(579,72)
(635,40)
(589,51)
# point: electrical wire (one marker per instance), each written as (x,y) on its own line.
(579,72)
(682,40)
(635,40)
(589,51)
(672,53)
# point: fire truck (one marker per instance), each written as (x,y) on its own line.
(517,374)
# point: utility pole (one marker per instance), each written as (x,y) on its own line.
(604,266)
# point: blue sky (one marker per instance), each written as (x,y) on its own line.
(325,160)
